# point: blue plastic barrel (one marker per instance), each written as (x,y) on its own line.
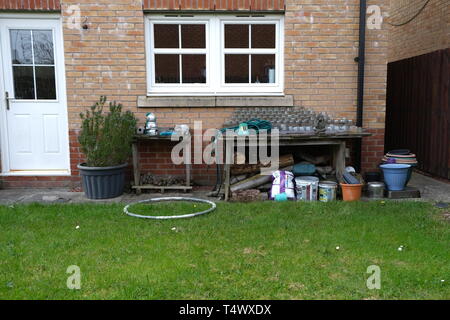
(395,176)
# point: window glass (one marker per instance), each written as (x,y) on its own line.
(236,36)
(167,69)
(236,68)
(215,54)
(263,68)
(193,36)
(194,68)
(166,36)
(263,36)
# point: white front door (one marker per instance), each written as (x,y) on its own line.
(34,110)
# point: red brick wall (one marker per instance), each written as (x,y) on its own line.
(44,5)
(372,150)
(321,42)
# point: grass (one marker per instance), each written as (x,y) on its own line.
(240,251)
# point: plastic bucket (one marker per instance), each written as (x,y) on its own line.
(307,188)
(327,191)
(351,192)
(395,176)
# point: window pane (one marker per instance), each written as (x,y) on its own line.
(21,46)
(263,36)
(45,82)
(43,47)
(193,36)
(263,68)
(236,68)
(194,68)
(23,82)
(236,36)
(166,35)
(167,69)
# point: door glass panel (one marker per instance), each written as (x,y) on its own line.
(45,82)
(21,52)
(30,51)
(236,68)
(43,47)
(167,69)
(194,68)
(23,82)
(263,68)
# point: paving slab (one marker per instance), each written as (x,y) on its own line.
(431,190)
(15,196)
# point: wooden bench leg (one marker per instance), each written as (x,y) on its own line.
(339,160)
(136,169)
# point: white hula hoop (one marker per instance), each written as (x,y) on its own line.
(190,215)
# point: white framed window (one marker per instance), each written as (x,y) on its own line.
(215,54)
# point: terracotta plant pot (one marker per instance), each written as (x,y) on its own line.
(351,192)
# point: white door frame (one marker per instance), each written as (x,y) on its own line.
(59,56)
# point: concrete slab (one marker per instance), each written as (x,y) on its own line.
(15,196)
(431,189)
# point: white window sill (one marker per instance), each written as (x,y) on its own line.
(172,101)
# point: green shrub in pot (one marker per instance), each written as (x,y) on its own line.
(105,139)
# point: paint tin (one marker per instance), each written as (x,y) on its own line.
(307,188)
(327,191)
(375,190)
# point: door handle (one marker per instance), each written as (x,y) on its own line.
(7,98)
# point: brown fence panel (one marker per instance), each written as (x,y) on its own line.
(418,110)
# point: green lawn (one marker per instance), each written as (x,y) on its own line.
(240,251)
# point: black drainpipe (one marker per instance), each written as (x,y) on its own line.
(361,59)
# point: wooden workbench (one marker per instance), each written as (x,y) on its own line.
(337,141)
(137,171)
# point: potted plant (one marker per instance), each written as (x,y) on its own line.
(105,139)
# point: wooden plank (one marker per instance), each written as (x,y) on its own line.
(254,181)
(288,137)
(339,160)
(227,167)
(136,169)
(149,186)
(188,175)
(144,137)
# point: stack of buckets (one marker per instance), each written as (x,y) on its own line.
(396,164)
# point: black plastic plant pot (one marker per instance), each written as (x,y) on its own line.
(102,182)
